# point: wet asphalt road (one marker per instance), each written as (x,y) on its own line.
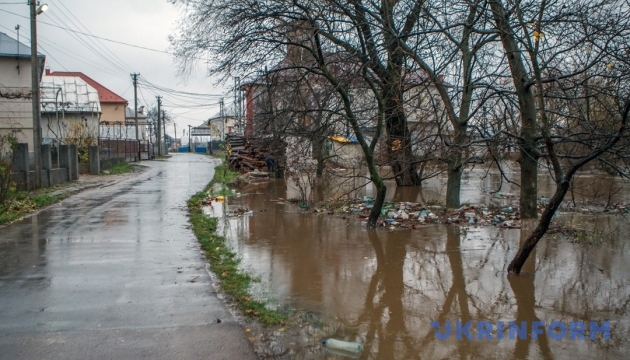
(115,273)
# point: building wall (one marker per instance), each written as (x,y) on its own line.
(344,154)
(222,127)
(16,112)
(55,130)
(113,112)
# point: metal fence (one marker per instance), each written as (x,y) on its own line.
(118,149)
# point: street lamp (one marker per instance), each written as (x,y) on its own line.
(37,138)
(42,8)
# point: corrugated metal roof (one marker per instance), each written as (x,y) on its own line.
(76,95)
(11,47)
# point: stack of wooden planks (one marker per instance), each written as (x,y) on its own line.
(247,155)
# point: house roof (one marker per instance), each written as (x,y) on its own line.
(104,94)
(228,112)
(76,95)
(11,47)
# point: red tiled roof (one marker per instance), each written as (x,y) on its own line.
(104,94)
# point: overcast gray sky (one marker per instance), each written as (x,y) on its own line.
(145,23)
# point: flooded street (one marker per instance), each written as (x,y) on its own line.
(384,288)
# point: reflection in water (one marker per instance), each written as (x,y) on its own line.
(383,288)
(525,295)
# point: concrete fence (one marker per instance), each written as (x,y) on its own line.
(67,170)
(64,168)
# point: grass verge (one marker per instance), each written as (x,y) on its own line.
(25,203)
(122,168)
(223,262)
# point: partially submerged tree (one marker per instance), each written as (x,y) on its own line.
(243,36)
(569,66)
(450,45)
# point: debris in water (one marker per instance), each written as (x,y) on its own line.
(340,345)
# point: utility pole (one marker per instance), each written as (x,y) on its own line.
(175,134)
(37,137)
(222,116)
(237,103)
(17,28)
(159,126)
(189,142)
(135,110)
(164,132)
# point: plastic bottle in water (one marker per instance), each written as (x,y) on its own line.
(346,346)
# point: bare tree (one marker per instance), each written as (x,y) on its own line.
(569,66)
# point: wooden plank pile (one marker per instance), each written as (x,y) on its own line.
(247,155)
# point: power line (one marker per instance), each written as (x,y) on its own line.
(102,46)
(162,88)
(67,52)
(54,17)
(40,45)
(94,36)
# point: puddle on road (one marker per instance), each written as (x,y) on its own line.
(383,288)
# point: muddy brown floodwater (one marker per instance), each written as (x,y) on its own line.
(384,288)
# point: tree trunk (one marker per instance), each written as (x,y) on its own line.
(529,182)
(527,247)
(527,107)
(455,167)
(318,154)
(399,140)
(381,189)
(454,180)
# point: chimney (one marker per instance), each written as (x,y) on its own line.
(47,71)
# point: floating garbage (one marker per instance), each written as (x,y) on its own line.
(248,213)
(347,346)
(220,198)
(508,210)
(367,199)
(388,206)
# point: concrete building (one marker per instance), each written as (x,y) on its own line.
(16,112)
